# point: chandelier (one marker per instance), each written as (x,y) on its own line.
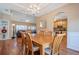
(34,9)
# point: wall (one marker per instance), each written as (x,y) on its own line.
(71,10)
(12,21)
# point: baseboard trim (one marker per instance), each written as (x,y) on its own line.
(73,50)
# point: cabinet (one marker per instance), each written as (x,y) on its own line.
(60,27)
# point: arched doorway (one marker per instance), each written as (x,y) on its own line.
(60,27)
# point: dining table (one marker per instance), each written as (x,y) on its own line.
(42,42)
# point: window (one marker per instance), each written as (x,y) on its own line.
(21,27)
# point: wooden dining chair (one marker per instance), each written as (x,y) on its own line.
(29,31)
(23,37)
(31,48)
(55,48)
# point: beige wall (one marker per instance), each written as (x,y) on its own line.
(72,12)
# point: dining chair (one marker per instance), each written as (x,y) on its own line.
(29,31)
(55,48)
(31,48)
(23,37)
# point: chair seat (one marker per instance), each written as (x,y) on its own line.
(48,51)
(35,48)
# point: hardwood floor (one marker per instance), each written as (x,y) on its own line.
(11,47)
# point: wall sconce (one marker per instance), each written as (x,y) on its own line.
(13,24)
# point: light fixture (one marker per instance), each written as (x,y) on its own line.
(34,9)
(13,24)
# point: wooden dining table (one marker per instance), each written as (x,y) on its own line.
(42,42)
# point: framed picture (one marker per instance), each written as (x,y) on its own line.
(43,24)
